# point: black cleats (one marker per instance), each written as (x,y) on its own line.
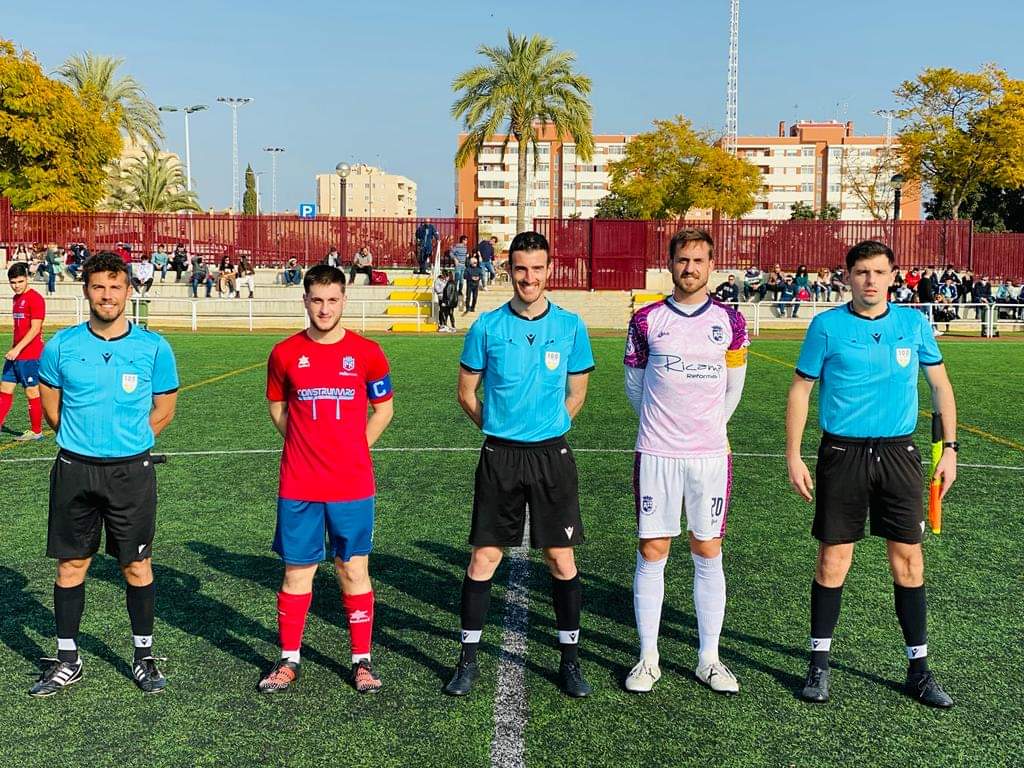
(466,673)
(815,688)
(926,690)
(570,680)
(57,676)
(147,676)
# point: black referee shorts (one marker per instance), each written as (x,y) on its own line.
(510,476)
(87,494)
(857,477)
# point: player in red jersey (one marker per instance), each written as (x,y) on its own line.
(319,384)
(21,361)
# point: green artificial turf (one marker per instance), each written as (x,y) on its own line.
(216,579)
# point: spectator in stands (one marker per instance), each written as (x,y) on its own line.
(437,288)
(474,279)
(728,292)
(936,282)
(982,294)
(426,237)
(142,275)
(802,280)
(1019,298)
(950,293)
(950,272)
(786,296)
(837,284)
(246,277)
(775,280)
(333,259)
(903,294)
(21,254)
(362,263)
(292,273)
(200,275)
(753,283)
(77,255)
(447,302)
(180,261)
(160,262)
(460,253)
(913,279)
(485,250)
(820,287)
(926,288)
(226,274)
(966,287)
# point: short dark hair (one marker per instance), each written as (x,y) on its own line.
(323,274)
(867,249)
(17,269)
(107,262)
(463,238)
(529,241)
(690,235)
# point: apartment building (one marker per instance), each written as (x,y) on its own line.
(366,192)
(819,163)
(559,184)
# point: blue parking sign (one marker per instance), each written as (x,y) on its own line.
(307,210)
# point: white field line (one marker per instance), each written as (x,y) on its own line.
(444,449)
(508,747)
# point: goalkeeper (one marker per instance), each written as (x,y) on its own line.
(867,354)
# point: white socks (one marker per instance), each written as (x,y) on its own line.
(709,604)
(648,595)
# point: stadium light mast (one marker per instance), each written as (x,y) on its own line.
(234,102)
(732,89)
(188,149)
(274,152)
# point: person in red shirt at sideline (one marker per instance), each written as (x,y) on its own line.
(913,278)
(319,383)
(21,361)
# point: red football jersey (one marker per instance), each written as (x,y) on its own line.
(28,306)
(327,388)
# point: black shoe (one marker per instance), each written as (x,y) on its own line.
(281,678)
(57,676)
(570,678)
(816,685)
(466,673)
(147,676)
(925,689)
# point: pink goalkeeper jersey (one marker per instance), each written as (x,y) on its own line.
(684,358)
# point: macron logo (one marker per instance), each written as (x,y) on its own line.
(568,532)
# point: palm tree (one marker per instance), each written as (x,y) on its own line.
(153,183)
(139,118)
(523,87)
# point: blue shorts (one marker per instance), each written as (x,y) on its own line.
(24,372)
(301,525)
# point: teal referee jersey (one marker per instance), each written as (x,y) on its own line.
(107,388)
(525,365)
(868,369)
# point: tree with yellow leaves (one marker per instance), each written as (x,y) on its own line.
(54,144)
(669,171)
(963,129)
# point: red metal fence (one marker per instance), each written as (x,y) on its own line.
(587,253)
(268,240)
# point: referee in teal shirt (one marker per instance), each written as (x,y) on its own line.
(533,359)
(108,388)
(867,355)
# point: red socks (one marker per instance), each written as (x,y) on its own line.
(35,414)
(5,405)
(359,609)
(291,621)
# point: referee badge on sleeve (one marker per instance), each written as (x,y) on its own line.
(129,381)
(903,356)
(551,360)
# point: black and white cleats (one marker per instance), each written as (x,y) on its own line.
(57,676)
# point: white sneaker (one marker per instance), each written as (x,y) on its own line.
(643,676)
(718,678)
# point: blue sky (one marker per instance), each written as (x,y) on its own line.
(370,81)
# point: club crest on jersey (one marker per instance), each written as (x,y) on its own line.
(647,505)
(717,334)
(903,356)
(129,382)
(348,363)
(551,360)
